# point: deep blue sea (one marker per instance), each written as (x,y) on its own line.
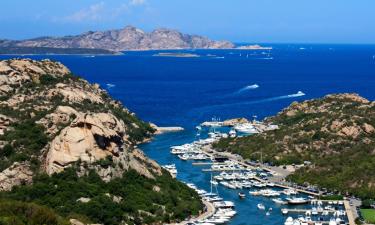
(172,91)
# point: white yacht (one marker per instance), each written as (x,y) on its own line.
(290,191)
(289,221)
(296,201)
(279,201)
(246,128)
(232,133)
(261,206)
(332,222)
(171,169)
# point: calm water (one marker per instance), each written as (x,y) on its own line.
(186,91)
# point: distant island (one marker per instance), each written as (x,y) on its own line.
(176,54)
(57,51)
(128,38)
(254,47)
(115,41)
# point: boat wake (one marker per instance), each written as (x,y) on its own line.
(109,85)
(298,94)
(205,109)
(248,87)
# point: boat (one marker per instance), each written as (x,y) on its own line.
(184,157)
(289,221)
(232,133)
(284,211)
(255,193)
(241,195)
(247,128)
(296,201)
(269,193)
(332,222)
(171,169)
(223,204)
(290,191)
(214,182)
(261,206)
(279,201)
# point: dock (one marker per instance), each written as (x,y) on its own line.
(303,210)
(298,189)
(349,213)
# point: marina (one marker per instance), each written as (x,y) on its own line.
(229,172)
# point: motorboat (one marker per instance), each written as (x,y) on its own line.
(332,222)
(228,185)
(279,201)
(284,211)
(290,191)
(246,128)
(232,133)
(214,182)
(224,204)
(241,195)
(297,201)
(289,221)
(269,193)
(261,206)
(171,169)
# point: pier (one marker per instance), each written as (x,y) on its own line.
(349,213)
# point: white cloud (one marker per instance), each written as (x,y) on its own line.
(103,12)
(137,2)
(92,13)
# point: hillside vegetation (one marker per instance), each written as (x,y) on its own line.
(68,151)
(335,133)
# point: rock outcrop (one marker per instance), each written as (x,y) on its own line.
(16,72)
(93,137)
(78,118)
(17,174)
(129,38)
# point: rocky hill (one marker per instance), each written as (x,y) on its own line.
(129,38)
(335,133)
(66,145)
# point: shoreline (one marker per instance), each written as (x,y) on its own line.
(209,211)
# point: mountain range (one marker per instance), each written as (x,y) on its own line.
(128,38)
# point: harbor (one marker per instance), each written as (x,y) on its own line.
(295,205)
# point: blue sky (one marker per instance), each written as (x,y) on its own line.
(291,21)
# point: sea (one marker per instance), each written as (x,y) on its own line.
(223,84)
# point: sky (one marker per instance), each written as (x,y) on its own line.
(254,21)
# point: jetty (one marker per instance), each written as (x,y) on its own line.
(349,213)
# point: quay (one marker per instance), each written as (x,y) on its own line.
(349,213)
(302,210)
